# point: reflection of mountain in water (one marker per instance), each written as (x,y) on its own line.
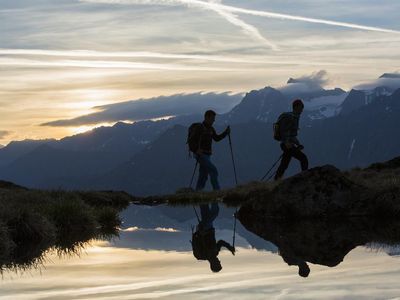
(323,242)
(169,229)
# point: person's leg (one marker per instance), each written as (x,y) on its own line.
(204,211)
(203,172)
(300,156)
(285,161)
(214,211)
(213,172)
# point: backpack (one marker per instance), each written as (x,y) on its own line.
(277,132)
(194,137)
(201,242)
(277,127)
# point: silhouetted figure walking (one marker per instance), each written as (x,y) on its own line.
(200,139)
(288,127)
(204,244)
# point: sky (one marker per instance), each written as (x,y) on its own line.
(64,59)
(105,272)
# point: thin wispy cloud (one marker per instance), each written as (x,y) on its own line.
(232,9)
(105,65)
(121,54)
(4,133)
(21,57)
(213,5)
(248,29)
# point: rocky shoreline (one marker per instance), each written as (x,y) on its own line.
(319,192)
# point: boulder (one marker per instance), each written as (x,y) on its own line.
(321,191)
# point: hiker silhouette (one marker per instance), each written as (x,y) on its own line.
(200,139)
(204,243)
(286,130)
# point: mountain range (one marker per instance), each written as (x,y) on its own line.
(346,129)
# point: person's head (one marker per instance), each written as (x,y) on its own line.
(304,269)
(215,264)
(298,106)
(209,117)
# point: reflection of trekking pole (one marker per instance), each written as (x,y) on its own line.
(273,166)
(234,229)
(233,160)
(197,215)
(194,173)
(236,181)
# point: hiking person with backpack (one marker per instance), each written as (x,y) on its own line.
(200,137)
(285,131)
(204,243)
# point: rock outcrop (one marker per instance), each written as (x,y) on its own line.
(322,191)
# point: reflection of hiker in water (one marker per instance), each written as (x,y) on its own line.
(204,244)
(289,257)
(287,128)
(200,139)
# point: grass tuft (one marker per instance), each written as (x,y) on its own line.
(32,222)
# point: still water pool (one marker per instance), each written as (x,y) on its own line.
(153,259)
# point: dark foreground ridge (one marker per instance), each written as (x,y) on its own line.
(32,222)
(319,192)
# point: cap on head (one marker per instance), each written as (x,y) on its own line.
(209,113)
(297,103)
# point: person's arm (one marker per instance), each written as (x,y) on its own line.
(296,129)
(218,137)
(222,243)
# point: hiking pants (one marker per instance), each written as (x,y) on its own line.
(206,168)
(288,153)
(208,214)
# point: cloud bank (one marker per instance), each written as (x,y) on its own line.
(307,83)
(388,80)
(158,107)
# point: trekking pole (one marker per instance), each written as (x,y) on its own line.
(194,173)
(233,159)
(273,166)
